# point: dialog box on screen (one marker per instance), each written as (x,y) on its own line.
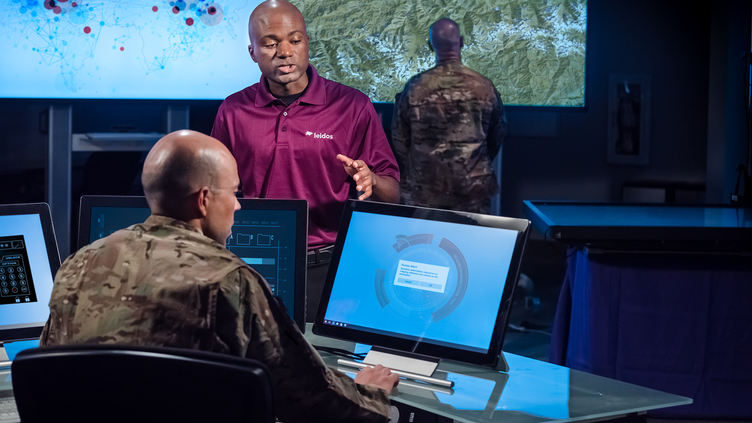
(423,276)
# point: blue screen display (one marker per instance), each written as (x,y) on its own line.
(25,274)
(125,49)
(421,279)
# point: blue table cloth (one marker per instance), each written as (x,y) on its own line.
(679,323)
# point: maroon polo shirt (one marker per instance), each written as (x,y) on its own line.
(291,151)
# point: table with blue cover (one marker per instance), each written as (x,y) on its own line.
(659,296)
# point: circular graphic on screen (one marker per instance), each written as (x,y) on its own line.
(424,278)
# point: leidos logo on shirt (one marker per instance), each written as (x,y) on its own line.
(319,135)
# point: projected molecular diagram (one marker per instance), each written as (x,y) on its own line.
(86,42)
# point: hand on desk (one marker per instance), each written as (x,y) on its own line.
(378,376)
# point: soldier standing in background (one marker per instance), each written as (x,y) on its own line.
(447,128)
(171,282)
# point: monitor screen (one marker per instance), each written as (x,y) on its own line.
(29,260)
(532,50)
(269,235)
(427,281)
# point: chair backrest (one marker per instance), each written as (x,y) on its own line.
(118,383)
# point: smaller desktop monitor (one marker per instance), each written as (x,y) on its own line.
(270,235)
(432,282)
(29,259)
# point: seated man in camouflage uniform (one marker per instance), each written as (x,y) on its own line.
(171,282)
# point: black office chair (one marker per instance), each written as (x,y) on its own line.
(121,383)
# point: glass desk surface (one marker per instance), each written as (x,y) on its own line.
(6,383)
(532,391)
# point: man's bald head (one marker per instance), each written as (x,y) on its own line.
(263,11)
(180,164)
(445,39)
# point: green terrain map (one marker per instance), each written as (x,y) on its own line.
(533,50)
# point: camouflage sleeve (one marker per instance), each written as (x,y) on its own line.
(51,333)
(401,131)
(497,128)
(306,390)
(233,314)
(45,336)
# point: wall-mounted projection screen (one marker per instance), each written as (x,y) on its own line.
(533,50)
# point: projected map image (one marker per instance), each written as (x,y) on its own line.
(533,50)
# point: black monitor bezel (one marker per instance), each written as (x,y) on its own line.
(490,358)
(53,256)
(621,236)
(301,232)
(87,202)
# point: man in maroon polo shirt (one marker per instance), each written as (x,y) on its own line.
(297,135)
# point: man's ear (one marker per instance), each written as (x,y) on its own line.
(462,42)
(202,200)
(250,51)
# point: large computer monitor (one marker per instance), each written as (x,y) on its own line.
(29,259)
(425,281)
(270,235)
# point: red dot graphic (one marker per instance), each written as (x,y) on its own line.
(87,30)
(154,9)
(176,10)
(122,48)
(212,10)
(74,4)
(189,21)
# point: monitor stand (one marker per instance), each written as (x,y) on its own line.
(502,365)
(421,367)
(4,360)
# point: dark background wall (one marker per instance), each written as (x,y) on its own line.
(670,42)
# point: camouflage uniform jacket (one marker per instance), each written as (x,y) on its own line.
(163,283)
(448,126)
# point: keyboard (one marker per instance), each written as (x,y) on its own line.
(8,410)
